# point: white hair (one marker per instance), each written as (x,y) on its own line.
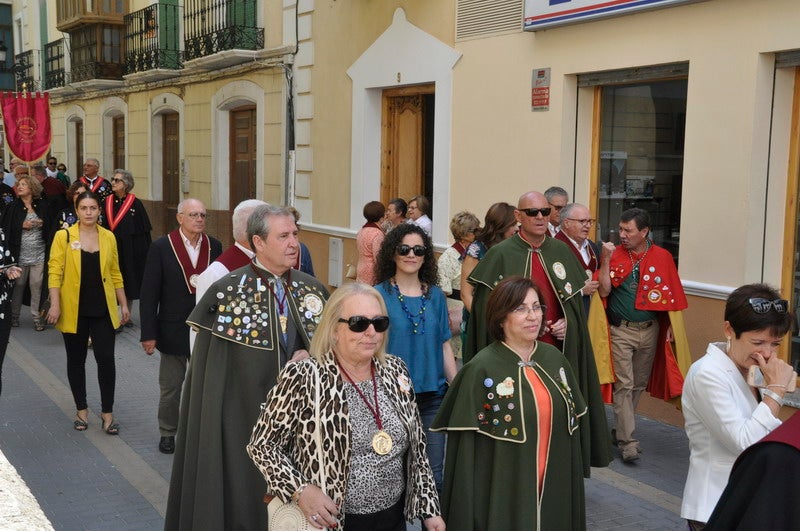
(240,215)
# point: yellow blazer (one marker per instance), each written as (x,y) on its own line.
(64,271)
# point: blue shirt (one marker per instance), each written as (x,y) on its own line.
(422,351)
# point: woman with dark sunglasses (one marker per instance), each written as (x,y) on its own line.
(724,414)
(374,474)
(406,277)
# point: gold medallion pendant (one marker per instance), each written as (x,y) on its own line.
(283,319)
(382,442)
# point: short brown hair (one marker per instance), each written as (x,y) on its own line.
(504,299)
(374,211)
(463,223)
(33,184)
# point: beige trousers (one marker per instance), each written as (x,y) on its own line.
(632,351)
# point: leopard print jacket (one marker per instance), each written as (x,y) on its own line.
(283,445)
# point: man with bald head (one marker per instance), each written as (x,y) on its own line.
(169,284)
(560,278)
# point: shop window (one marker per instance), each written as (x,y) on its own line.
(641,157)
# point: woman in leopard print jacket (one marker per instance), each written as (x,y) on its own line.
(376,473)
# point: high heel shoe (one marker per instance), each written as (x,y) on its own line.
(79,424)
(112,428)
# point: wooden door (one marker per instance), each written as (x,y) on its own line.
(119,143)
(170,159)
(242,155)
(407,142)
(78,148)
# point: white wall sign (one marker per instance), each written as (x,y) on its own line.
(540,14)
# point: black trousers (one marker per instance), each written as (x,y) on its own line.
(5,333)
(101,331)
(391,519)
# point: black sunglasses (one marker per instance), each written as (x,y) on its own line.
(403,250)
(533,212)
(359,323)
(760,305)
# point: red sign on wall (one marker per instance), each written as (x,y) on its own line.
(540,90)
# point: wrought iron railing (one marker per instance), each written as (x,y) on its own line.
(213,26)
(152,38)
(95,70)
(25,70)
(55,75)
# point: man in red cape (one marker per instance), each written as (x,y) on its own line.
(644,298)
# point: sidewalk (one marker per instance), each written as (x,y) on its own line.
(93,481)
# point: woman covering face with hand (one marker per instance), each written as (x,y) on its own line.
(375,474)
(724,415)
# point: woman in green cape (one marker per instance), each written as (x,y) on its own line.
(511,416)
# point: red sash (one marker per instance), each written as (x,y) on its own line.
(92,187)
(233,258)
(113,220)
(189,271)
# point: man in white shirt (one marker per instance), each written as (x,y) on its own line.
(173,265)
(237,255)
(557,198)
(576,222)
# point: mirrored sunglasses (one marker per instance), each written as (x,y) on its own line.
(760,305)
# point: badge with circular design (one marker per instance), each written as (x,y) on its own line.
(382,442)
(193,280)
(654,295)
(405,383)
(559,270)
(313,303)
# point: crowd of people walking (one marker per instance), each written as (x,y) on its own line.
(466,391)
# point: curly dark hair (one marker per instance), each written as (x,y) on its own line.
(385,266)
(499,218)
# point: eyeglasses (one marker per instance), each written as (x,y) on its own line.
(589,222)
(52,163)
(403,250)
(359,323)
(557,207)
(533,212)
(195,215)
(525,310)
(115,180)
(760,305)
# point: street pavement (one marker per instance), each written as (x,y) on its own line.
(53,477)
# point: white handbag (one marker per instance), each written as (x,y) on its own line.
(283,516)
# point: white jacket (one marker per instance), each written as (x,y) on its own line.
(722,419)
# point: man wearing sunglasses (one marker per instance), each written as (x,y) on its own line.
(249,324)
(557,198)
(649,349)
(549,262)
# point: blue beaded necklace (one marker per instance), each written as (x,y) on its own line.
(417,327)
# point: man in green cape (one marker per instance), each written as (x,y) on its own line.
(550,263)
(250,323)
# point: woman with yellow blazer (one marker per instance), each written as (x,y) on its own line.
(83,275)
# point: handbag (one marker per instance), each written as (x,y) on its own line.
(287,516)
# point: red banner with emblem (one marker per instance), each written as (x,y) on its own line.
(26,118)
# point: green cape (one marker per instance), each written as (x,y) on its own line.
(513,257)
(490,415)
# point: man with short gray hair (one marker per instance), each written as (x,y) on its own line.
(249,324)
(94,182)
(557,198)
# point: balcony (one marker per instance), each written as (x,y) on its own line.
(212,28)
(97,56)
(25,67)
(73,14)
(55,74)
(152,41)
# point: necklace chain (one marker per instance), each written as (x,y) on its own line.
(635,264)
(417,327)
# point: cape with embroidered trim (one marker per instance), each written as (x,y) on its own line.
(513,257)
(491,416)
